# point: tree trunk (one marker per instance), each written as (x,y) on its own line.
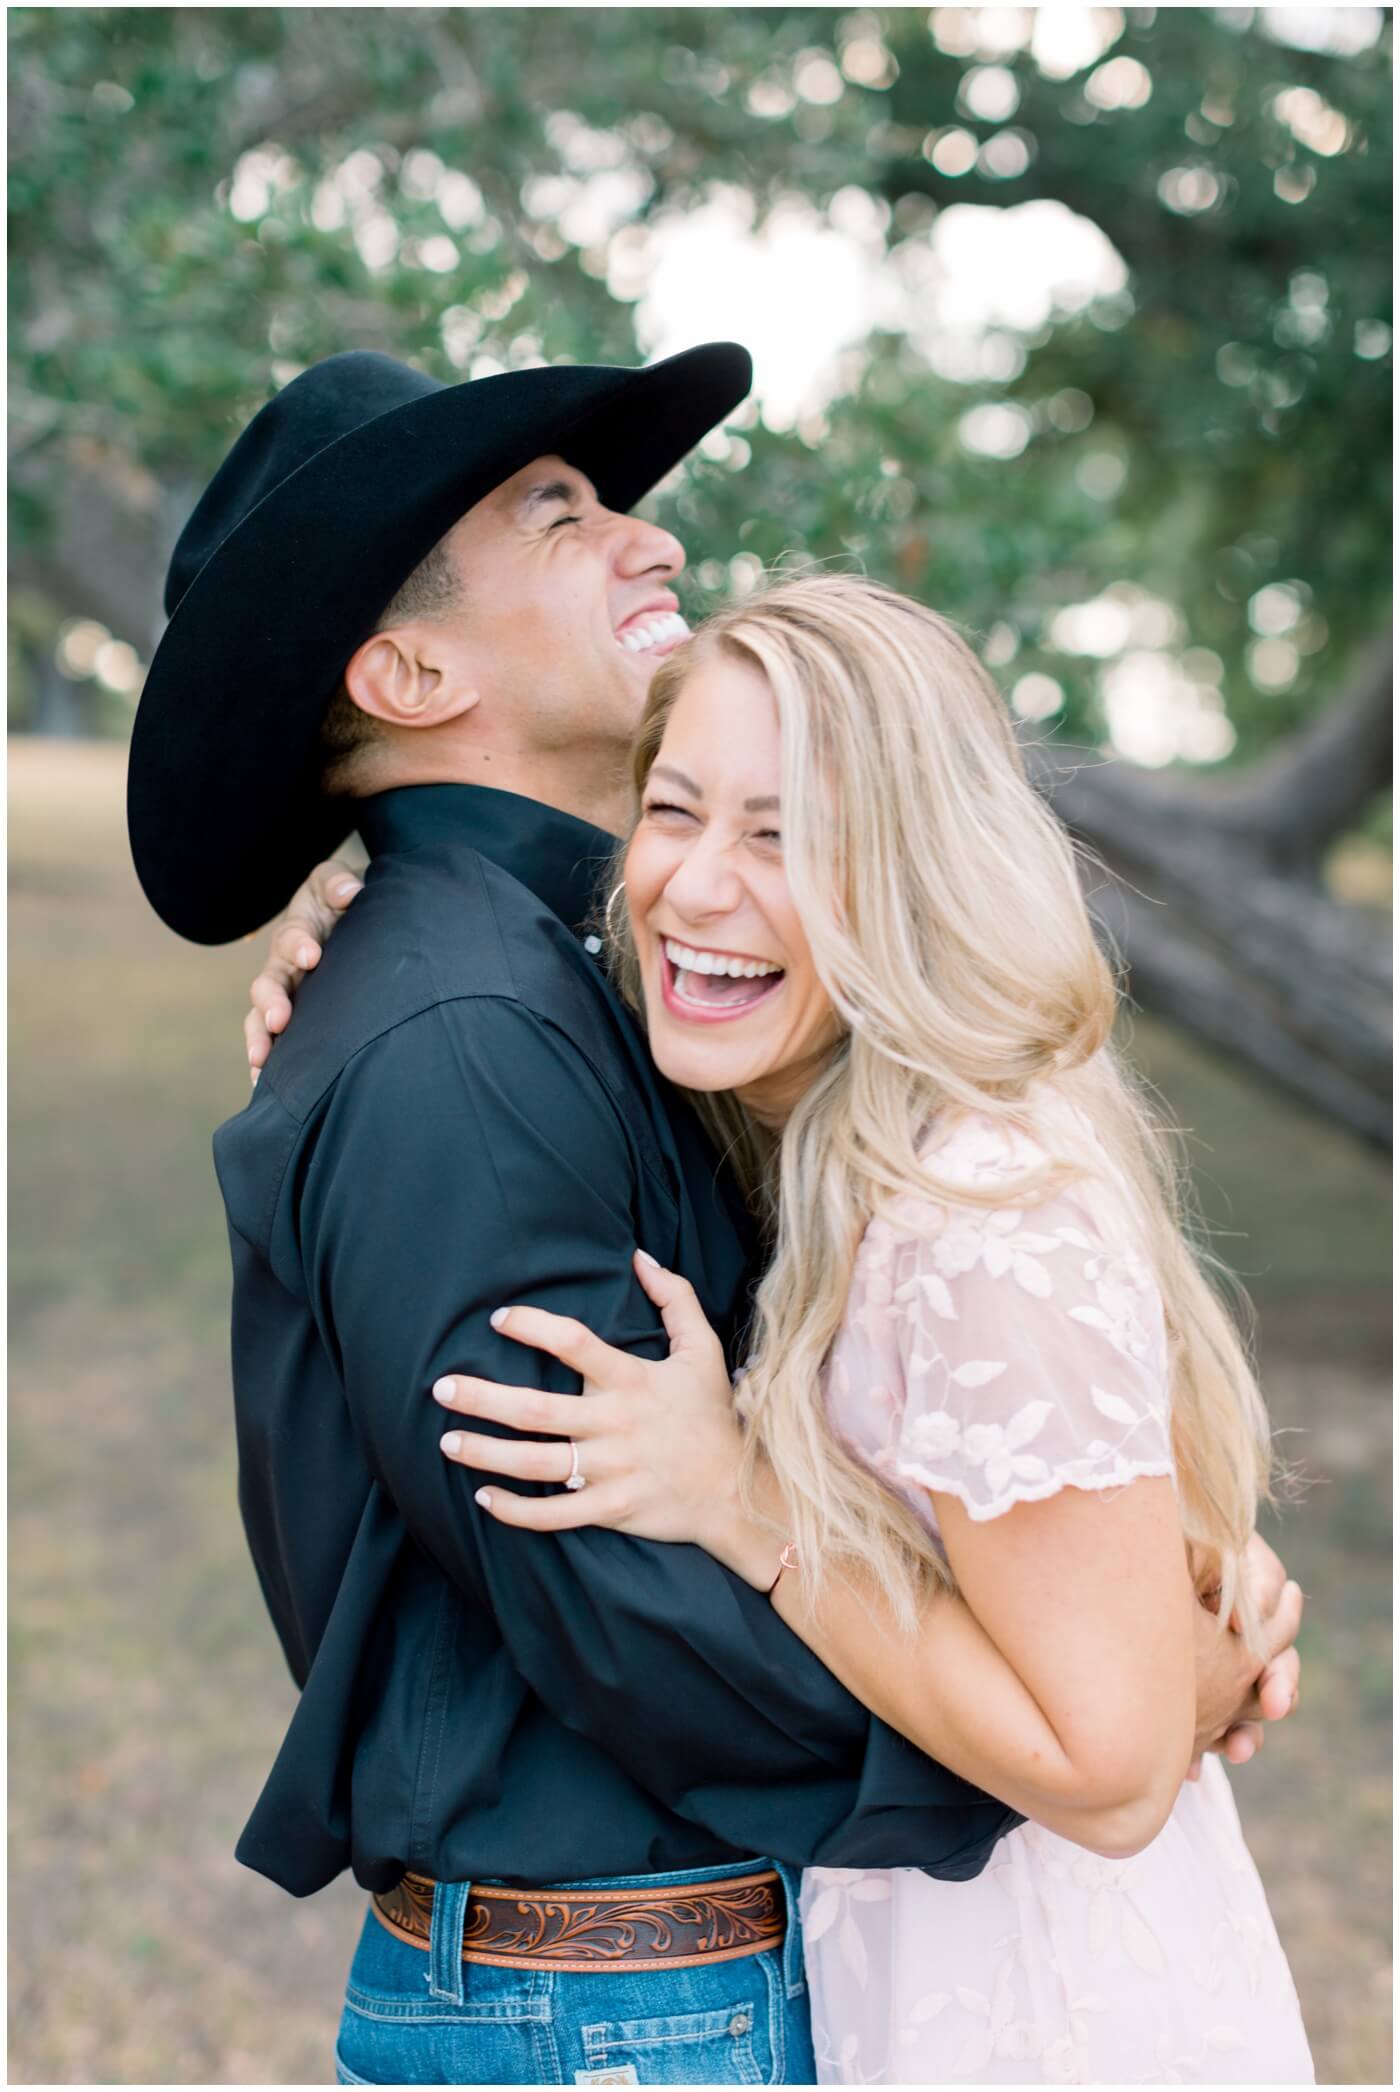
(1213,902)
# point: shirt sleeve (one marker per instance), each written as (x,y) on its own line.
(1033,1352)
(472,1158)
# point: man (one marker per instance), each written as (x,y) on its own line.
(426,612)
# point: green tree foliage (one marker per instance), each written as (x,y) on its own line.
(204,201)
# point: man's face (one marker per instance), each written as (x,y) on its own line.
(567,608)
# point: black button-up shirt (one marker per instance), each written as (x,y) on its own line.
(464,1115)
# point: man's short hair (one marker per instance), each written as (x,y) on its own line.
(433,591)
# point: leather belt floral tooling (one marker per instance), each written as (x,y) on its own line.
(574,1929)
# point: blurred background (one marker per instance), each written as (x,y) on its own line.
(1075,322)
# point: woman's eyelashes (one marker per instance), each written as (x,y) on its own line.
(560,520)
(659,807)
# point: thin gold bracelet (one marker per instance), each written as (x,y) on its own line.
(786,1560)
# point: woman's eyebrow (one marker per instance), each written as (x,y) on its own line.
(768,805)
(687,784)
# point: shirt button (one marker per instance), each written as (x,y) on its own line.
(741,2023)
(593,944)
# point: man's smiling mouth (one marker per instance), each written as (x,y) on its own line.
(652,633)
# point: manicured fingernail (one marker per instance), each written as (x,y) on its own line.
(345,890)
(450,1441)
(305,955)
(483,1497)
(443,1390)
(648,1258)
(498,1319)
(255,1073)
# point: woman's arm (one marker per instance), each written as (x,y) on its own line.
(1064,1679)
(1093,1741)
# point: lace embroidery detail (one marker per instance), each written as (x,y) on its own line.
(1002,1354)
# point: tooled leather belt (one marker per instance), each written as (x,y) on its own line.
(573,1929)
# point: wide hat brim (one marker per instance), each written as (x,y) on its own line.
(224,810)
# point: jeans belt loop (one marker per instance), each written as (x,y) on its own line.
(794,1967)
(446,1967)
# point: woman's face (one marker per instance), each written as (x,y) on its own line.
(732,997)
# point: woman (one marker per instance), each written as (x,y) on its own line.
(983,1358)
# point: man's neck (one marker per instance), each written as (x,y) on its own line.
(591,788)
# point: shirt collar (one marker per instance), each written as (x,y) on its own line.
(560,858)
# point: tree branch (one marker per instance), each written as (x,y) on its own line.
(1251,957)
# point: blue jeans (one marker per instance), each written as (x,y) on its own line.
(432,2019)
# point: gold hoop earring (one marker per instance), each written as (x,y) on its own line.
(608,923)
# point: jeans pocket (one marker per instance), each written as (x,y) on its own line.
(448,2046)
(393,2031)
(685,2048)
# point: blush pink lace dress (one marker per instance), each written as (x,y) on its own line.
(1010,1354)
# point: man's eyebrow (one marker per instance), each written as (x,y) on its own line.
(545,491)
(767,805)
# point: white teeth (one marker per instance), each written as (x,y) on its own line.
(681,955)
(668,626)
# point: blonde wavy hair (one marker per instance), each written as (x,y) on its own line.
(942,904)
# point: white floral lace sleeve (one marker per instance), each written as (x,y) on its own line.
(1018,1350)
(1012,1351)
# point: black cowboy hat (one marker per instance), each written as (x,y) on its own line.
(332,495)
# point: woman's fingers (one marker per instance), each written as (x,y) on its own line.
(258,1040)
(569,1342)
(297,943)
(331,887)
(293,952)
(270,997)
(605,1504)
(681,1311)
(524,1408)
(317,905)
(526,1459)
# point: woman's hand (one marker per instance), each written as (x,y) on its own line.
(312,913)
(658,1441)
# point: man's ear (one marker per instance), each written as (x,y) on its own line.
(406,679)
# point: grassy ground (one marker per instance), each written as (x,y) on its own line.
(148,1695)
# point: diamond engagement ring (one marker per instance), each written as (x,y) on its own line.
(576,1478)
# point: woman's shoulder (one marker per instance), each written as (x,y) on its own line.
(978,1149)
(1023,1344)
(978,1167)
(1022,1151)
